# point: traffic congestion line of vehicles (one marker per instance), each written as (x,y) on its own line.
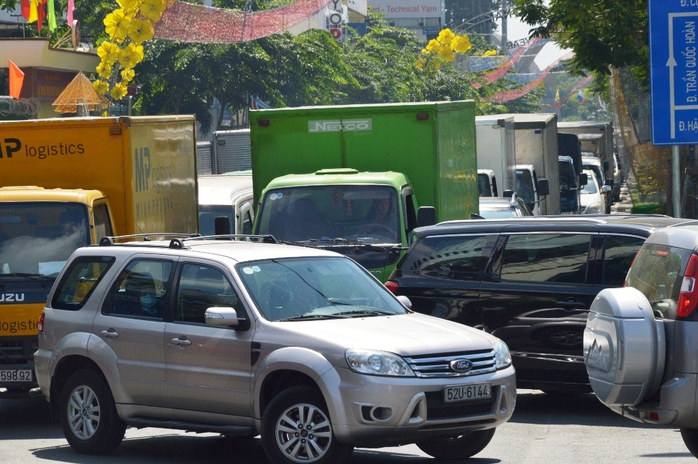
(358,180)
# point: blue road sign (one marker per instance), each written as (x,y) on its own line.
(674,71)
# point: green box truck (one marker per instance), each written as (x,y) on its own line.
(358,178)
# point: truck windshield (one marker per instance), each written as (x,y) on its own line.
(208,215)
(524,187)
(364,213)
(37,238)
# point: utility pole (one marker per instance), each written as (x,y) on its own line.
(505,38)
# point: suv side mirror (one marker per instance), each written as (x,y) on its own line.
(222,317)
(508,193)
(426,216)
(543,187)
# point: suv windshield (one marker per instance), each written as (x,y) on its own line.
(657,273)
(37,238)
(312,288)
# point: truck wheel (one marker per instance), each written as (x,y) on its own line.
(457,446)
(296,428)
(88,414)
(690,439)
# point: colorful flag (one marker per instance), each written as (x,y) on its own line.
(41,10)
(25,8)
(257,104)
(69,14)
(16,80)
(580,97)
(558,104)
(51,16)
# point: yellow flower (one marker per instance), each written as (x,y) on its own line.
(140,30)
(104,70)
(420,62)
(127,75)
(437,65)
(100,87)
(445,36)
(116,24)
(131,55)
(129,5)
(433,46)
(152,9)
(461,44)
(446,54)
(118,91)
(490,53)
(108,52)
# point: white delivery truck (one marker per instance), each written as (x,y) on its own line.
(496,154)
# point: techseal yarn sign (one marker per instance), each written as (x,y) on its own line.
(406,8)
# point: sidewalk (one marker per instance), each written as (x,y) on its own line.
(626,203)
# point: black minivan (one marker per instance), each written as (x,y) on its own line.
(529,281)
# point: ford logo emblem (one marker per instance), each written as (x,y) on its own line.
(461,365)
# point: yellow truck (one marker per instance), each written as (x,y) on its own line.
(66,183)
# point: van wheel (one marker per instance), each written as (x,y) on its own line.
(457,446)
(690,439)
(296,428)
(88,414)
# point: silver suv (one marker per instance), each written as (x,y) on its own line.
(641,341)
(298,345)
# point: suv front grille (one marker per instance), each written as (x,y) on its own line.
(430,366)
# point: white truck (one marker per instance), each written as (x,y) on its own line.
(225,203)
(229,151)
(496,154)
(601,143)
(537,170)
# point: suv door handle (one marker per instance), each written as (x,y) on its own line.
(181,341)
(571,304)
(111,333)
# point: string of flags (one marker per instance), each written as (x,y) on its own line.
(36,11)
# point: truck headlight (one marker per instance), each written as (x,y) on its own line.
(502,357)
(377,363)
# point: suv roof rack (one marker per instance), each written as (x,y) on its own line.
(179,239)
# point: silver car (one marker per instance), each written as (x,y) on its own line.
(298,345)
(641,341)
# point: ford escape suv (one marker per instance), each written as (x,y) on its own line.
(641,341)
(299,345)
(528,281)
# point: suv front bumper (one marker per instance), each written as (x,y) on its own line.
(374,411)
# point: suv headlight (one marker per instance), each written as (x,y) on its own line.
(377,363)
(502,357)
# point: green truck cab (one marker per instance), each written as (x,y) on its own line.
(358,178)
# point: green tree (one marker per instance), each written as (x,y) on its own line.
(602,33)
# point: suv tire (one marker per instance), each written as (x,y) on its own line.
(303,409)
(457,447)
(690,439)
(88,414)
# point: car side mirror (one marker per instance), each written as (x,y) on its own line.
(508,193)
(404,301)
(583,179)
(222,317)
(605,165)
(426,216)
(606,189)
(222,225)
(543,187)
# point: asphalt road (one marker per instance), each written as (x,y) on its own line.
(544,429)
